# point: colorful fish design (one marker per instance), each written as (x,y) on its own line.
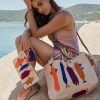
(64,75)
(25,74)
(79,93)
(73,76)
(19,62)
(31,56)
(24,66)
(30,80)
(80,71)
(55,78)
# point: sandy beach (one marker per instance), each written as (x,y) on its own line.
(10,85)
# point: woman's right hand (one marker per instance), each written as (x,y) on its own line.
(25,41)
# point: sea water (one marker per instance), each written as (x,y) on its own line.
(9,32)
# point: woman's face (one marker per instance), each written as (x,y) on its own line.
(42,6)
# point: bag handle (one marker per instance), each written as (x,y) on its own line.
(87,50)
(84,44)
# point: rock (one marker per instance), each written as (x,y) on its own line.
(90,34)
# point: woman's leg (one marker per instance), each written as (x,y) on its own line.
(17,42)
(43,50)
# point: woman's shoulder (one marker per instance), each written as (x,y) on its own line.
(64,11)
(70,20)
(65,14)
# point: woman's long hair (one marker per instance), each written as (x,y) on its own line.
(40,18)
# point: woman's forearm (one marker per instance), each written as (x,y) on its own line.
(27,32)
(32,23)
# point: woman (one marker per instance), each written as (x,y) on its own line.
(46,18)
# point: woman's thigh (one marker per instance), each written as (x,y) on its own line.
(43,50)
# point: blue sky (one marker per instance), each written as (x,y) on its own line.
(19,4)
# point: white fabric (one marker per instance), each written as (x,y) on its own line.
(29,74)
(63,84)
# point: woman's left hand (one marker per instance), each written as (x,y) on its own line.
(28,4)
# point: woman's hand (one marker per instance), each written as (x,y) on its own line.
(28,4)
(25,41)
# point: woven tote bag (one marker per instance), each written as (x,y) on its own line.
(26,72)
(71,78)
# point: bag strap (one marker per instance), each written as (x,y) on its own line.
(84,44)
(95,62)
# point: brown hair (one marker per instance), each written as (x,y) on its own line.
(40,18)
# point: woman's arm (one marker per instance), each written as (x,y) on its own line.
(32,23)
(59,21)
(30,17)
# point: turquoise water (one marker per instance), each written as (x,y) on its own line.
(8,34)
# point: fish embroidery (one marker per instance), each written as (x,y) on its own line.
(55,78)
(19,62)
(64,75)
(80,71)
(73,76)
(31,56)
(24,66)
(79,93)
(30,80)
(25,74)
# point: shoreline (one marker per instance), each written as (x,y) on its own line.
(12,22)
(7,54)
(77,21)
